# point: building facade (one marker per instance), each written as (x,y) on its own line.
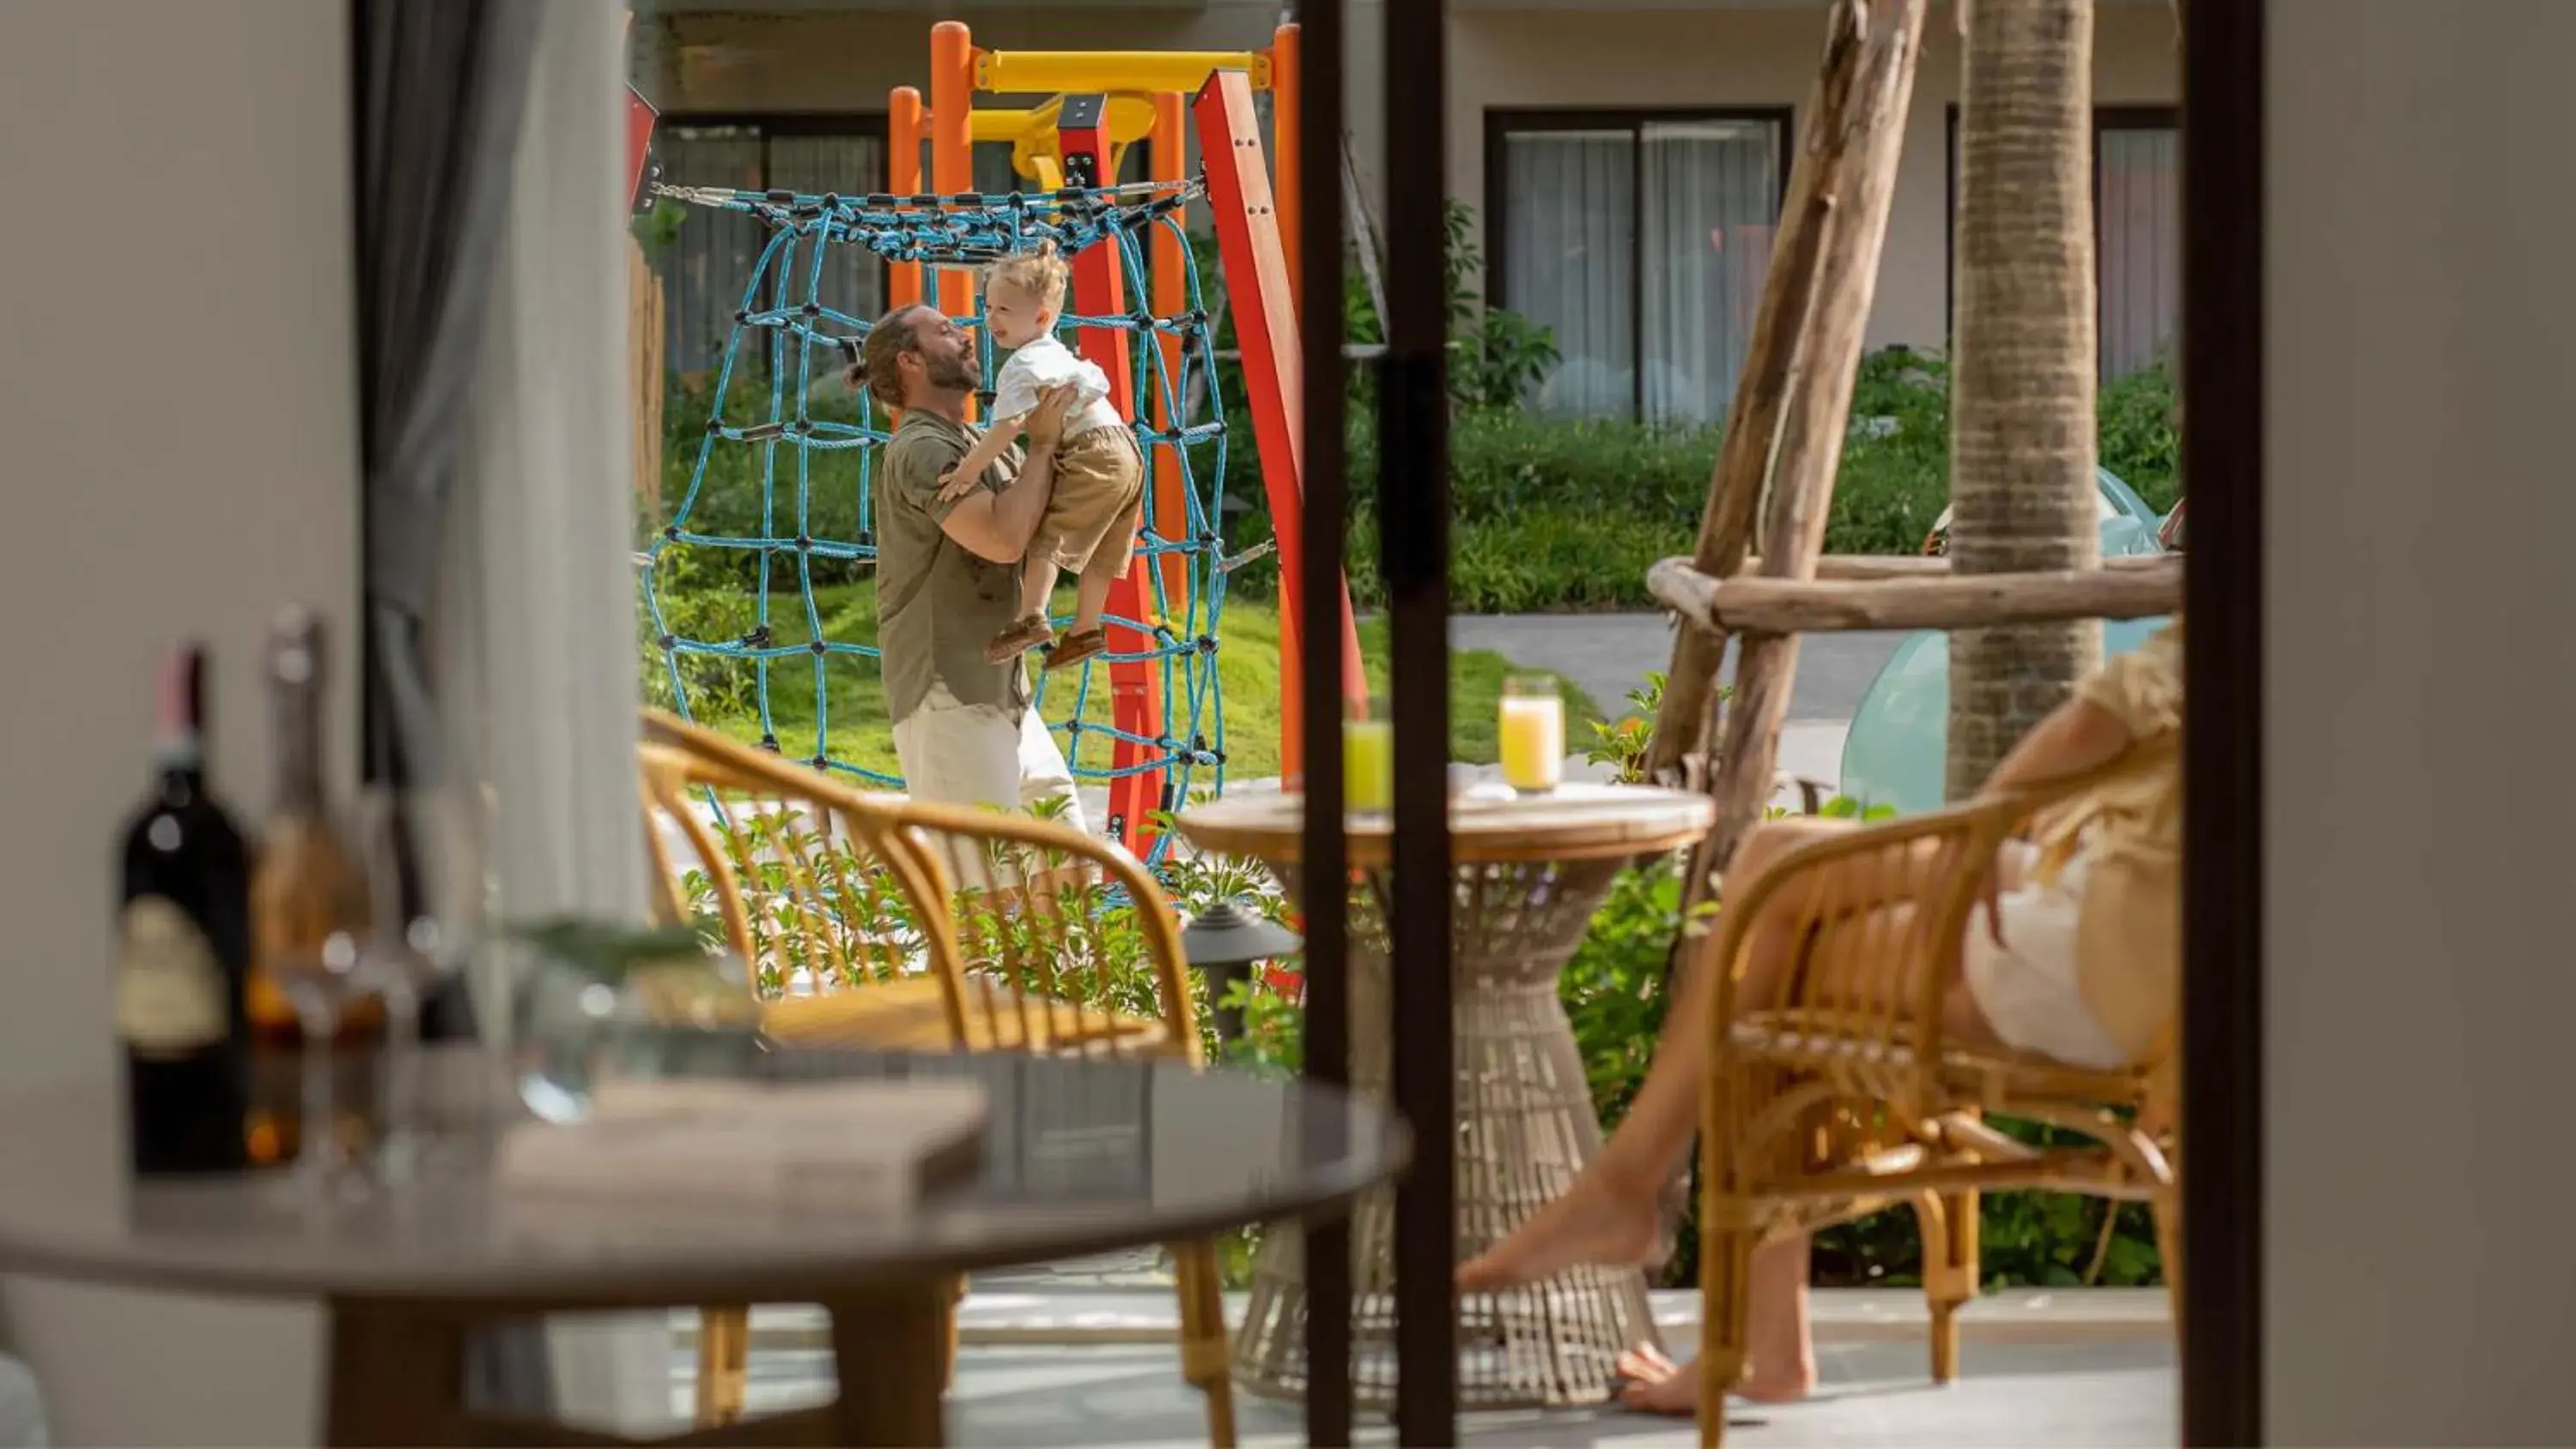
(1624,163)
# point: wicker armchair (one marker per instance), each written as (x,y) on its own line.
(1842,1096)
(874,922)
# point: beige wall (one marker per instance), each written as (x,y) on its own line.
(848,61)
(181,459)
(1766,57)
(1499,57)
(2420,621)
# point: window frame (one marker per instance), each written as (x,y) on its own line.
(774,125)
(1503,122)
(2134,116)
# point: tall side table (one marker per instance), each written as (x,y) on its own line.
(1528,874)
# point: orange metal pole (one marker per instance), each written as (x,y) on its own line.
(1171,296)
(952,141)
(903,178)
(1287,75)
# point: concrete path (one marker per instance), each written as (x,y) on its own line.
(2049,1393)
(1020,1307)
(1608,655)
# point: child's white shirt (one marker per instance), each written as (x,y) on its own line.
(1047,363)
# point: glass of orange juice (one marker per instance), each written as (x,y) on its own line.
(1368,757)
(1532,733)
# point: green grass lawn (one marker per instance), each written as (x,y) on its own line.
(1247,675)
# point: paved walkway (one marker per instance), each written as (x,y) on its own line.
(1023,1307)
(2085,1392)
(1608,655)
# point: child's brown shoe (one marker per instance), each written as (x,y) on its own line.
(1076,646)
(1026,633)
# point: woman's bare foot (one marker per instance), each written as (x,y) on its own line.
(1595,1222)
(1657,1385)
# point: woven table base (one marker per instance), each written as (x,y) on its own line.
(1526,1126)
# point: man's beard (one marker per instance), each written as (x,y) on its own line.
(959,372)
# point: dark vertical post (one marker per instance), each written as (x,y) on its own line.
(1325,851)
(1413,448)
(2222,463)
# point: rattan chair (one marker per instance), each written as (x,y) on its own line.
(874,922)
(1841,1096)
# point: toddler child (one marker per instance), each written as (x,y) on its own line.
(1090,522)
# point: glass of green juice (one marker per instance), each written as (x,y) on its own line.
(1368,757)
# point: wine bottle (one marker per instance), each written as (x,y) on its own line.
(307,885)
(184,962)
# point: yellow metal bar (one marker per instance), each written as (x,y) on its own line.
(1032,133)
(1131,118)
(1080,72)
(1013,125)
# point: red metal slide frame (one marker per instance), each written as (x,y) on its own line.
(639,144)
(1243,205)
(1099,290)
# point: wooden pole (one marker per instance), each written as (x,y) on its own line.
(1816,414)
(1769,605)
(1913,566)
(1363,229)
(645,324)
(1780,323)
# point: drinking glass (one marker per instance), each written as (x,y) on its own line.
(1532,734)
(320,983)
(422,848)
(1368,758)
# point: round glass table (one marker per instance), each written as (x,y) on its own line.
(1078,1157)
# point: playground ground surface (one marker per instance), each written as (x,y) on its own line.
(1247,673)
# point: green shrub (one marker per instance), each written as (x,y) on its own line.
(1545,515)
(2140,439)
(696,596)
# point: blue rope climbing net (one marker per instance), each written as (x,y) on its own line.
(816,445)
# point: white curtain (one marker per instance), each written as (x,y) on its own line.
(535,635)
(1569,261)
(2139,244)
(1711,198)
(1641,246)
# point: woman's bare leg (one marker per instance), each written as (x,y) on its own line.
(1609,1214)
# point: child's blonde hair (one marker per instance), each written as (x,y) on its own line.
(1041,273)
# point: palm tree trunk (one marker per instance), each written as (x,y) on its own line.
(2022,440)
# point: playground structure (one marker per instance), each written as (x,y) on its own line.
(1104,102)
(1125,243)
